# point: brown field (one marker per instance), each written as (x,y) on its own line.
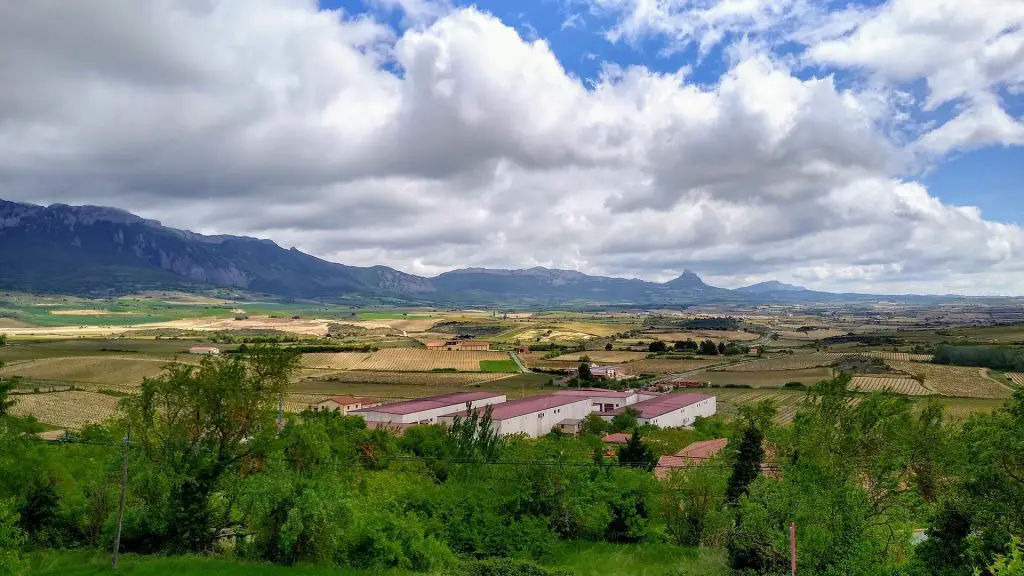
(1016,377)
(88,312)
(12,323)
(655,366)
(786,402)
(900,356)
(603,356)
(765,379)
(906,386)
(103,370)
(71,410)
(790,362)
(407,378)
(418,359)
(555,335)
(333,360)
(812,335)
(955,380)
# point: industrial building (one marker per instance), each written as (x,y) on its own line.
(427,410)
(607,400)
(345,404)
(534,416)
(671,410)
(458,345)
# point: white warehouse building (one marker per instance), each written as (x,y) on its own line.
(608,400)
(671,410)
(534,416)
(427,410)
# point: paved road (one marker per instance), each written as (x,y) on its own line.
(515,358)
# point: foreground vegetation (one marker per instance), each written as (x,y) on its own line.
(210,473)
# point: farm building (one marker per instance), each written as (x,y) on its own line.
(477,345)
(692,454)
(345,404)
(207,350)
(671,410)
(608,372)
(570,426)
(607,400)
(427,410)
(534,416)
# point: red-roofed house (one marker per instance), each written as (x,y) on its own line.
(344,404)
(671,410)
(693,454)
(427,410)
(618,438)
(534,416)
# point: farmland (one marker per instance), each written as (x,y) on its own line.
(666,366)
(105,370)
(955,380)
(790,362)
(764,379)
(417,360)
(602,356)
(333,360)
(901,356)
(1017,378)
(71,410)
(906,386)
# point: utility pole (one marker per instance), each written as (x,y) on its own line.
(792,547)
(280,412)
(124,487)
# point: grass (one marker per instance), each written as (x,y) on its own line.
(767,378)
(498,366)
(583,559)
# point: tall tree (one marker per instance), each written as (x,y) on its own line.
(584,372)
(749,457)
(198,425)
(6,402)
(637,454)
(708,348)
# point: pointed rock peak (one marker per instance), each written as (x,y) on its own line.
(688,278)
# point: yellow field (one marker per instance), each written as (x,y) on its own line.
(955,380)
(907,386)
(603,356)
(333,360)
(596,328)
(549,335)
(901,356)
(418,359)
(793,362)
(105,370)
(1017,378)
(71,410)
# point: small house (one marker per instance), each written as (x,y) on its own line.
(570,426)
(692,455)
(204,350)
(606,372)
(344,404)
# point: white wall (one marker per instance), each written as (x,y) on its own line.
(426,416)
(686,415)
(541,422)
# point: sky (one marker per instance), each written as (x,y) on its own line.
(873,146)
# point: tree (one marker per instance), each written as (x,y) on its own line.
(694,506)
(474,438)
(625,420)
(12,538)
(584,373)
(708,348)
(721,348)
(608,347)
(1011,564)
(593,425)
(637,454)
(748,464)
(3,339)
(657,347)
(687,345)
(199,426)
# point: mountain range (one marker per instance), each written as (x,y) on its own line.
(100,250)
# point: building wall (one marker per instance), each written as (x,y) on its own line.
(331,405)
(541,422)
(684,416)
(427,416)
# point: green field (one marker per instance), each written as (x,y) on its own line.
(498,366)
(580,558)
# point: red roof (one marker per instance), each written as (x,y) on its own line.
(662,404)
(694,453)
(524,406)
(616,438)
(422,404)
